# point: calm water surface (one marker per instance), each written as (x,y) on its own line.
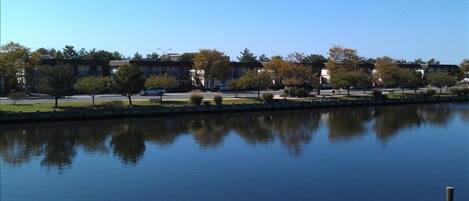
(370,153)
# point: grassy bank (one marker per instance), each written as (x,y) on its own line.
(84,105)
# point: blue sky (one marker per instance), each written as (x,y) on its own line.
(405,29)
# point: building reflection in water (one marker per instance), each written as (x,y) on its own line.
(56,144)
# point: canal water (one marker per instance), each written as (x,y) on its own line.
(384,153)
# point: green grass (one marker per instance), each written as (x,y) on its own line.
(80,105)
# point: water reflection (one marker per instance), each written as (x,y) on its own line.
(56,144)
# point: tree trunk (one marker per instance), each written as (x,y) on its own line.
(403,91)
(319,92)
(161,98)
(415,91)
(130,100)
(441,90)
(258,93)
(348,92)
(92,98)
(236,94)
(56,99)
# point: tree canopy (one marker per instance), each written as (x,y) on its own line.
(91,85)
(215,64)
(128,81)
(57,81)
(247,56)
(440,80)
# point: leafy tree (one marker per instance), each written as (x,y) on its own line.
(128,81)
(464,66)
(296,57)
(153,56)
(56,81)
(236,86)
(255,80)
(388,73)
(440,80)
(348,79)
(163,81)
(247,56)
(188,56)
(91,85)
(342,58)
(215,64)
(419,61)
(103,55)
(13,60)
(137,56)
(69,52)
(433,61)
(410,79)
(264,58)
(315,58)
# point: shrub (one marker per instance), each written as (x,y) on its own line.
(268,97)
(197,97)
(207,102)
(297,92)
(218,99)
(113,104)
(378,94)
(460,91)
(430,92)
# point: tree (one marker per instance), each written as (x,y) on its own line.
(162,81)
(419,61)
(188,56)
(236,86)
(264,58)
(348,79)
(464,66)
(342,58)
(410,79)
(433,61)
(13,61)
(56,81)
(255,80)
(69,52)
(153,56)
(137,56)
(440,80)
(103,55)
(91,85)
(315,58)
(247,56)
(388,72)
(215,64)
(128,81)
(296,57)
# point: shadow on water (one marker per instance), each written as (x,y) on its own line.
(56,144)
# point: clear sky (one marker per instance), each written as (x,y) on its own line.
(406,29)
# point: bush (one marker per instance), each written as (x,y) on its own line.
(430,92)
(218,99)
(297,92)
(113,104)
(378,94)
(460,91)
(268,97)
(197,98)
(206,102)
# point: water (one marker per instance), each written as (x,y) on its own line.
(370,153)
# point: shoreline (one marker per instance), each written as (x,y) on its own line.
(118,113)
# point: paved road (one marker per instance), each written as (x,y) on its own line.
(168,96)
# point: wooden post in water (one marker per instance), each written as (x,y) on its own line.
(449,193)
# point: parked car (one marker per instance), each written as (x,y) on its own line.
(152,92)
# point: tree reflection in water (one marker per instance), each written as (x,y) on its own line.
(56,144)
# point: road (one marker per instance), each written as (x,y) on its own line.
(167,96)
